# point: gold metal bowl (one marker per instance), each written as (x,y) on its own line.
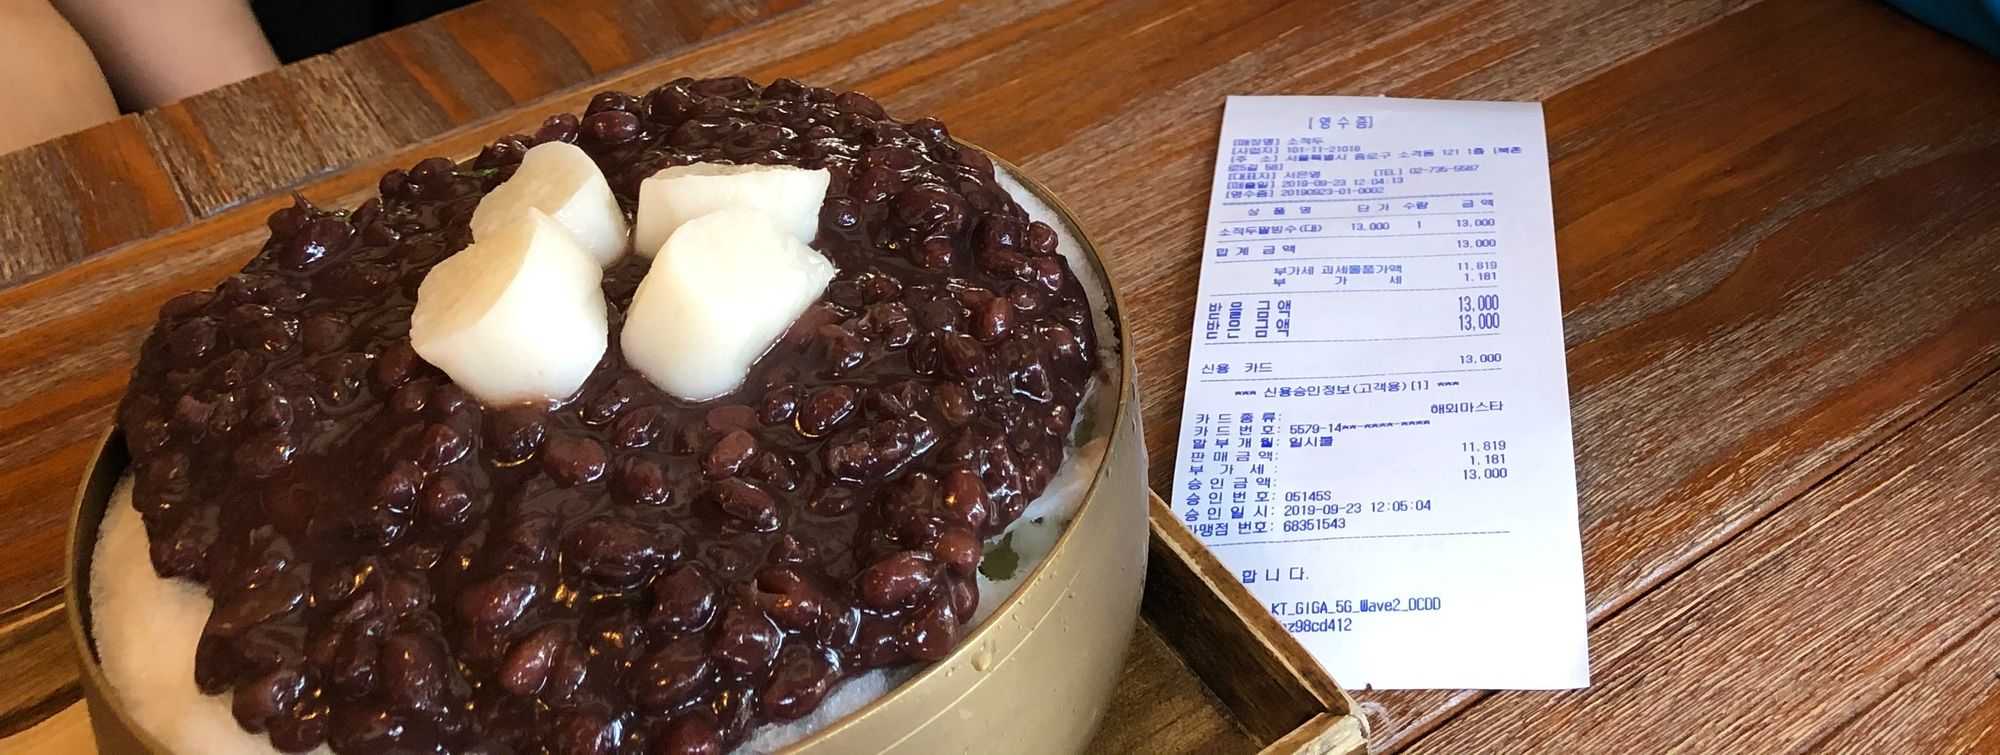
(1033,678)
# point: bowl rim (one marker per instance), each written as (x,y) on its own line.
(110,463)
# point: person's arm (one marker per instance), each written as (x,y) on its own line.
(49,83)
(159,51)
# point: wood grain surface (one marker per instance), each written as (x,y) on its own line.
(141,174)
(1828,607)
(1779,237)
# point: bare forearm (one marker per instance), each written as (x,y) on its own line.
(49,83)
(159,51)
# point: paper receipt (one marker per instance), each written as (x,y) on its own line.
(1376,436)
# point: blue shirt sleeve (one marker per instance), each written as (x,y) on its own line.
(1975,21)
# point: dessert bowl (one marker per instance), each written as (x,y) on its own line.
(1032,677)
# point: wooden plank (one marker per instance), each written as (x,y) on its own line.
(1201,609)
(1785,634)
(1953,706)
(81,194)
(65,733)
(523,54)
(125,180)
(477,61)
(1326,734)
(265,133)
(41,669)
(1160,705)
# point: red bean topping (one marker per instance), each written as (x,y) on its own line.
(618,570)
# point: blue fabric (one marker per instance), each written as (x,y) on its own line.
(1975,21)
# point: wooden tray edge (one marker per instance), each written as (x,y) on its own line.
(1196,604)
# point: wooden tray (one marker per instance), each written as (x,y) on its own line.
(1210,671)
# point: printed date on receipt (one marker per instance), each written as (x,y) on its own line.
(1376,438)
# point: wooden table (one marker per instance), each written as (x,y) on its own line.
(1779,228)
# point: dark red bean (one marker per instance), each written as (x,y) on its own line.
(725,87)
(192,340)
(335,583)
(933,631)
(449,399)
(440,445)
(431,171)
(515,435)
(897,581)
(801,679)
(780,405)
(165,473)
(561,127)
(1041,238)
(447,501)
(186,305)
(573,459)
(413,672)
(365,727)
(604,101)
(959,549)
(993,320)
(691,735)
(354,664)
(931,208)
(395,364)
(567,674)
(587,732)
(259,700)
(747,504)
(964,596)
(683,600)
(500,600)
(965,497)
(840,212)
(527,542)
(1048,271)
(878,450)
(791,601)
(729,417)
(609,403)
(674,673)
(729,454)
(394,183)
(639,427)
(243,609)
(301,730)
(824,410)
(933,253)
(612,126)
(790,550)
(527,665)
(643,481)
(955,404)
(875,184)
(747,641)
(836,500)
(964,357)
(397,488)
(264,455)
(616,553)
